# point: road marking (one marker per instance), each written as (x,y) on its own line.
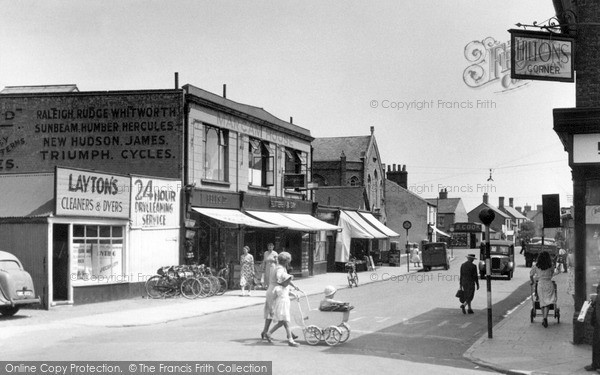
(405,321)
(465,325)
(516,307)
(357,319)
(379,319)
(443,323)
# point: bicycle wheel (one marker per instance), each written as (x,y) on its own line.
(222,286)
(355,279)
(214,285)
(190,288)
(205,289)
(350,280)
(155,287)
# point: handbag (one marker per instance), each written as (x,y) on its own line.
(584,310)
(460,294)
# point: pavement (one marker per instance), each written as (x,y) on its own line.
(517,347)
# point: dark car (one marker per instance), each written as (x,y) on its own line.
(435,254)
(16,285)
(502,258)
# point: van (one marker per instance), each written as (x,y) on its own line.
(435,254)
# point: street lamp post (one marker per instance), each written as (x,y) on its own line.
(486,216)
(451,241)
(407,225)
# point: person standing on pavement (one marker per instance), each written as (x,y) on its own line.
(247,271)
(415,257)
(571,273)
(269,263)
(468,281)
(543,271)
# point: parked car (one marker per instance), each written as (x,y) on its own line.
(16,285)
(502,258)
(435,254)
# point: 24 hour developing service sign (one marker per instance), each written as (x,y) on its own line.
(154,203)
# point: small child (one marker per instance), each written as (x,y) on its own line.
(281,309)
(329,304)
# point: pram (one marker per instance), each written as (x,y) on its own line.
(535,300)
(329,326)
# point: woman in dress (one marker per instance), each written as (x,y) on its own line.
(281,309)
(269,263)
(543,271)
(247,271)
(278,273)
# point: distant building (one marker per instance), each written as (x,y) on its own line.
(501,224)
(517,218)
(450,211)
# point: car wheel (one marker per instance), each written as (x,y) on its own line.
(9,310)
(510,275)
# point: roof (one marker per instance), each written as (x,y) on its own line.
(446,205)
(27,195)
(39,89)
(477,209)
(256,112)
(514,213)
(342,196)
(330,148)
(393,185)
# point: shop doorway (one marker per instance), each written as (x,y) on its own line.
(60,262)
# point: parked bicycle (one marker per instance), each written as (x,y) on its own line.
(167,282)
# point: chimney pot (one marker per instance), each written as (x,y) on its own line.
(372,130)
(225,90)
(510,202)
(485,198)
(501,202)
(291,120)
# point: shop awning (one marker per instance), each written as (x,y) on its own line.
(300,222)
(378,224)
(441,233)
(365,225)
(234,217)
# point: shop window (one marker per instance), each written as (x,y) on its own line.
(262,164)
(99,252)
(215,153)
(294,161)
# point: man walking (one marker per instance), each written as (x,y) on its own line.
(468,281)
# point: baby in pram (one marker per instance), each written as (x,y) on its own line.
(329,304)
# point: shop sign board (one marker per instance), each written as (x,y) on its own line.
(586,148)
(86,193)
(155,203)
(467,227)
(592,214)
(542,56)
(118,132)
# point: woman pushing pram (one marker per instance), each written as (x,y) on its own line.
(543,287)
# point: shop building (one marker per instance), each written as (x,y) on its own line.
(247,184)
(90,188)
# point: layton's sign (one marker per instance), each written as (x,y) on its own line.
(541,56)
(85,193)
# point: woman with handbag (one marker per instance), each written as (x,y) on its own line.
(468,281)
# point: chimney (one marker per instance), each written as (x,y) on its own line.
(527,208)
(176,81)
(291,120)
(444,194)
(510,202)
(225,90)
(372,130)
(342,169)
(485,198)
(399,176)
(500,202)
(519,209)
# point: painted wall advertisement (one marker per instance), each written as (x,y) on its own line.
(86,193)
(118,132)
(155,203)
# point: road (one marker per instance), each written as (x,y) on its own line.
(401,322)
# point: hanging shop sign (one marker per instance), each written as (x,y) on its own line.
(586,148)
(467,227)
(542,56)
(86,193)
(155,202)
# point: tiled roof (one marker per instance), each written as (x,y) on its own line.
(256,112)
(341,196)
(514,213)
(39,89)
(26,195)
(329,149)
(445,206)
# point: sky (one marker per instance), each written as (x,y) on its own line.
(336,67)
